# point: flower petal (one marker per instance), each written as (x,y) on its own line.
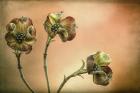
(12,45)
(63,35)
(55,17)
(30,41)
(102,58)
(26,20)
(102,77)
(10,27)
(22,19)
(107,70)
(15,21)
(31,33)
(48,22)
(9,37)
(69,24)
(47,26)
(20,47)
(25,47)
(21,23)
(90,64)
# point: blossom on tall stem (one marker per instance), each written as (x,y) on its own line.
(64,27)
(20,37)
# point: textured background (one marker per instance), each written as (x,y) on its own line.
(108,25)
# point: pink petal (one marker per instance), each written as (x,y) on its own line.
(25,47)
(12,45)
(9,37)
(69,24)
(107,69)
(63,35)
(90,64)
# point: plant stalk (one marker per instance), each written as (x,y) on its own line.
(18,56)
(45,63)
(76,73)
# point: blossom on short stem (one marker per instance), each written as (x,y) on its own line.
(65,28)
(97,65)
(20,34)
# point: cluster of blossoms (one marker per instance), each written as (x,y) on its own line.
(21,35)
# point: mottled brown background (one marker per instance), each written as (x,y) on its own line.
(112,26)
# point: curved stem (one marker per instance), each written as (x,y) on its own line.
(18,55)
(79,72)
(45,63)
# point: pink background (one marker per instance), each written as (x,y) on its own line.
(112,27)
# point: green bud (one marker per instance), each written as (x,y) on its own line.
(102,59)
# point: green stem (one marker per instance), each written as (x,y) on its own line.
(18,55)
(79,72)
(45,63)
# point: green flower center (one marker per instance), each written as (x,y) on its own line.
(55,27)
(95,67)
(20,37)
